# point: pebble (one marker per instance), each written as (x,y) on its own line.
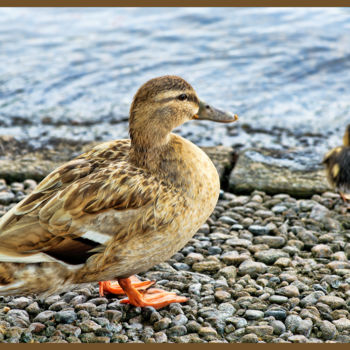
(277,313)
(250,338)
(207,332)
(260,331)
(278,299)
(6,197)
(18,318)
(89,326)
(278,327)
(288,291)
(322,251)
(342,324)
(252,268)
(254,314)
(258,230)
(19,303)
(271,241)
(270,256)
(333,301)
(45,316)
(65,316)
(328,330)
(293,322)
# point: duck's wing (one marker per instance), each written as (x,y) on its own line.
(44,225)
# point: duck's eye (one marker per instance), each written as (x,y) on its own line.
(182,97)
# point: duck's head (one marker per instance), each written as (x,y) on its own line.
(164,103)
(346,137)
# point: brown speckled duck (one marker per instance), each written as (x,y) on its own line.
(337,162)
(118,209)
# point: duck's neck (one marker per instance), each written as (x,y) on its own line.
(163,160)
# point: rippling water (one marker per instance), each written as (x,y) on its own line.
(71,72)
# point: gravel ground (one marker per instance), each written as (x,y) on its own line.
(262,269)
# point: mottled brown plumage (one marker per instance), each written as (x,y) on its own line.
(337,163)
(118,209)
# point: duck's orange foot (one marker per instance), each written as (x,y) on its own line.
(113,287)
(155,297)
(345,197)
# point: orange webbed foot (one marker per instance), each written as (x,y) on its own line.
(155,297)
(113,287)
(138,294)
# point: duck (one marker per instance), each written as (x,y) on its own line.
(118,209)
(337,162)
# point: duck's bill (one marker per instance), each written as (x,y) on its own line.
(207,112)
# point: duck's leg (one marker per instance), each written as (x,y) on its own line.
(155,297)
(113,287)
(345,196)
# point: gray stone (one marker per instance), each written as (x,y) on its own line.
(177,331)
(69,329)
(278,209)
(179,320)
(288,291)
(278,327)
(65,316)
(19,303)
(33,308)
(113,315)
(222,296)
(228,272)
(258,230)
(89,307)
(52,299)
(278,299)
(192,258)
(293,322)
(322,251)
(18,318)
(311,299)
(206,332)
(319,212)
(45,316)
(328,329)
(227,220)
(207,265)
(271,241)
(252,268)
(277,313)
(230,257)
(163,323)
(270,256)
(193,326)
(333,301)
(260,331)
(304,327)
(342,324)
(6,197)
(250,338)
(279,171)
(89,326)
(297,339)
(237,242)
(254,314)
(181,266)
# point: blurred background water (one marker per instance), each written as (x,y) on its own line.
(70,73)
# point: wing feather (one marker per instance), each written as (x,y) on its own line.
(97,181)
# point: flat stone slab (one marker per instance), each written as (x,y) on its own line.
(18,163)
(297,173)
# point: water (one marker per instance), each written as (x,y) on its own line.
(71,73)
